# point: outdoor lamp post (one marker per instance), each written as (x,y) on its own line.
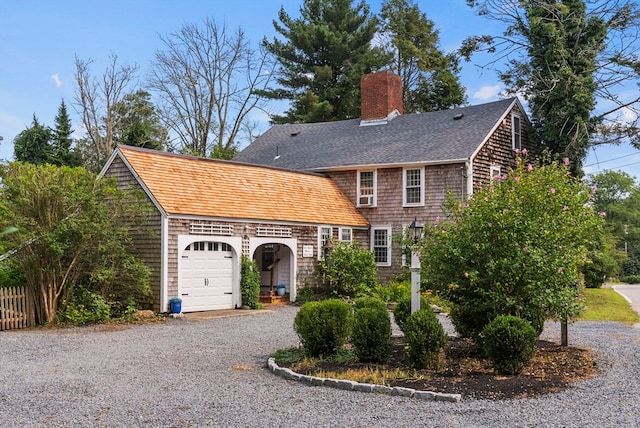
(415,233)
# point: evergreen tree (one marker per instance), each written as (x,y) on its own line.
(33,145)
(62,153)
(429,76)
(560,76)
(138,123)
(322,57)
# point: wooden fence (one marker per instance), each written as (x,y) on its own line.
(16,308)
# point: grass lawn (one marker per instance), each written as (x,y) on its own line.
(604,304)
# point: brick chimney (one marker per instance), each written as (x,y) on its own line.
(380,95)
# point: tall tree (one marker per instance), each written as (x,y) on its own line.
(67,233)
(562,57)
(322,56)
(96,99)
(138,123)
(208,80)
(63,154)
(430,79)
(33,145)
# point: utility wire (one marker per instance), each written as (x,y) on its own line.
(612,159)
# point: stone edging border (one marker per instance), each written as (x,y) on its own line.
(350,385)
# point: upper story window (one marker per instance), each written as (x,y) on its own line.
(413,187)
(516,132)
(381,245)
(366,188)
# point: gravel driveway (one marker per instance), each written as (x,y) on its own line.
(210,372)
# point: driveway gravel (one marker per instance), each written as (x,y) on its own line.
(211,372)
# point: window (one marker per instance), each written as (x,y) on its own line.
(494,172)
(381,245)
(325,233)
(366,188)
(413,184)
(345,234)
(516,132)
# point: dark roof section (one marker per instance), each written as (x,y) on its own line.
(440,136)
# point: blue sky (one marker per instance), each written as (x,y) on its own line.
(39,40)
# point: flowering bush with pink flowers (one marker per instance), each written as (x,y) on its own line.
(514,248)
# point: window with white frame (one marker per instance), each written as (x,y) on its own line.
(381,245)
(494,172)
(325,233)
(516,132)
(345,234)
(366,188)
(413,186)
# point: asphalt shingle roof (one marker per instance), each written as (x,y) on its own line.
(426,137)
(188,185)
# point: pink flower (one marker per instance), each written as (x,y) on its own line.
(517,151)
(517,179)
(524,152)
(530,167)
(603,214)
(560,269)
(466,274)
(565,208)
(437,219)
(553,191)
(594,189)
(565,161)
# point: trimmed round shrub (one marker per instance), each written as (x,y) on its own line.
(369,302)
(371,335)
(323,327)
(509,343)
(424,338)
(403,309)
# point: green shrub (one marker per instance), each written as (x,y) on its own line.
(323,327)
(369,302)
(311,294)
(403,309)
(371,334)
(392,292)
(86,307)
(424,339)
(509,343)
(250,283)
(348,270)
(631,279)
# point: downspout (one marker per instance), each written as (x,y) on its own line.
(164,264)
(469,177)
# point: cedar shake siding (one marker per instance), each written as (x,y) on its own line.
(145,233)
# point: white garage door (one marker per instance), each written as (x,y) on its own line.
(206,274)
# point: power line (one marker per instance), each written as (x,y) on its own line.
(622,166)
(612,159)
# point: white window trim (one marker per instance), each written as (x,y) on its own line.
(404,187)
(515,116)
(375,188)
(388,229)
(321,241)
(494,171)
(350,234)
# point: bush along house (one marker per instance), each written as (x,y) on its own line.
(300,185)
(395,168)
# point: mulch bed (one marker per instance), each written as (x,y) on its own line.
(553,368)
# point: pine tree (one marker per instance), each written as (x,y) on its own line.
(33,145)
(429,76)
(322,57)
(62,153)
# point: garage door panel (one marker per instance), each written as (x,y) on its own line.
(206,279)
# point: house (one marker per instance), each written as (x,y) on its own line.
(395,168)
(204,214)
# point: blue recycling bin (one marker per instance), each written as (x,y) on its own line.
(280,289)
(175,304)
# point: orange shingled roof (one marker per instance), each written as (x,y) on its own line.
(205,187)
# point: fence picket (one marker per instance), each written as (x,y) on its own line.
(15,308)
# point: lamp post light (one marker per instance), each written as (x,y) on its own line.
(415,233)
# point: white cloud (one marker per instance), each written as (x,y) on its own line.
(57,80)
(487,92)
